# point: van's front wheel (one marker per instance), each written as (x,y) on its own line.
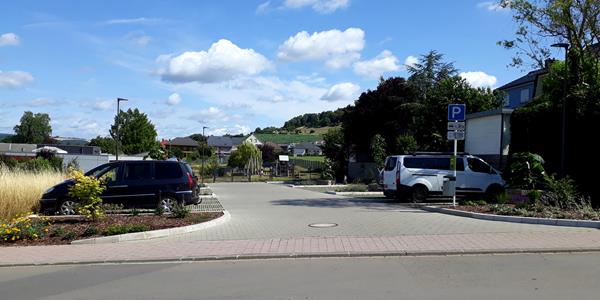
(419,193)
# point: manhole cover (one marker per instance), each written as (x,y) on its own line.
(322,225)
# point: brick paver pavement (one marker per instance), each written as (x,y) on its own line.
(303,247)
(271,221)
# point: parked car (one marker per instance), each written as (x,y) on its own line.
(421,175)
(134,184)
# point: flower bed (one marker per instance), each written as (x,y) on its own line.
(24,231)
(535,211)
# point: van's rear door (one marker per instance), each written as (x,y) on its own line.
(389,173)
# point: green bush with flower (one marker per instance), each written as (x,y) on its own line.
(22,227)
(86,192)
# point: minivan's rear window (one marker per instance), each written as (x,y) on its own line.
(168,170)
(390,163)
(433,163)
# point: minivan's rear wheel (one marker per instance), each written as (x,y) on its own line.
(493,192)
(66,207)
(419,193)
(167,204)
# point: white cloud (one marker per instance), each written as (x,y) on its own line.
(411,61)
(373,68)
(321,6)
(491,6)
(233,130)
(222,62)
(139,21)
(100,104)
(337,48)
(9,39)
(141,40)
(174,99)
(263,8)
(345,91)
(479,79)
(14,79)
(209,115)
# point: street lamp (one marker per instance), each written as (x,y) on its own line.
(564,106)
(118,141)
(203,157)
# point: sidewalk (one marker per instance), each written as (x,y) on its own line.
(155,251)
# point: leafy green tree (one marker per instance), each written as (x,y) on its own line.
(334,148)
(268,151)
(106,143)
(428,71)
(378,150)
(406,144)
(33,128)
(542,23)
(135,132)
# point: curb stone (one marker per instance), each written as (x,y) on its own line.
(152,234)
(355,193)
(345,254)
(515,219)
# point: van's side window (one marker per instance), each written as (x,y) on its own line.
(138,171)
(479,166)
(432,163)
(390,163)
(168,171)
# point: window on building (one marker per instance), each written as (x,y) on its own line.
(524,95)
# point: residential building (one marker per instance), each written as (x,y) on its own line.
(224,145)
(305,149)
(186,145)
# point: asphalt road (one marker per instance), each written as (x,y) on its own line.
(262,211)
(530,276)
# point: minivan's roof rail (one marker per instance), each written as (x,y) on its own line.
(438,153)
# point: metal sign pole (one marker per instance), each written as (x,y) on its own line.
(455,163)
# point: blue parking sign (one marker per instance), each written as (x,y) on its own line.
(456,112)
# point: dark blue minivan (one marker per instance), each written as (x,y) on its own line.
(134,184)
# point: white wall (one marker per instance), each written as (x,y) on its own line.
(86,162)
(483,135)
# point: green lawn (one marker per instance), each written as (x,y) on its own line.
(287,138)
(310,158)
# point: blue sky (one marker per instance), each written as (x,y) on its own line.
(229,65)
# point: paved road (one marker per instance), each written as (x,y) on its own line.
(556,276)
(263,211)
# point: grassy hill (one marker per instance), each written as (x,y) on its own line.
(288,138)
(4,135)
(315,131)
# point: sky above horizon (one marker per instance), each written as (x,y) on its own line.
(229,65)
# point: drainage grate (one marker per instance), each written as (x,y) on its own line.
(322,225)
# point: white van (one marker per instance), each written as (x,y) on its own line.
(418,176)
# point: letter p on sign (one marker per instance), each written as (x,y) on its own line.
(456,112)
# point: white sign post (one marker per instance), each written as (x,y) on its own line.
(456,131)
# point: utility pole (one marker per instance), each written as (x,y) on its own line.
(118,139)
(203,157)
(563,133)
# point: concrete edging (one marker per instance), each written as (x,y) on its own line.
(296,255)
(514,219)
(152,234)
(355,193)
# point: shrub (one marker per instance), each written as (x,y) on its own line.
(70,235)
(57,232)
(502,198)
(526,171)
(159,210)
(86,191)
(125,228)
(180,211)
(111,208)
(90,231)
(135,212)
(23,228)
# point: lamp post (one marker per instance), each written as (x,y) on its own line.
(203,157)
(118,141)
(564,107)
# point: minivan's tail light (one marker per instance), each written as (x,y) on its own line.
(190,181)
(398,177)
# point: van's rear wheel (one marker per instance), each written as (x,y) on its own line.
(419,193)
(493,192)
